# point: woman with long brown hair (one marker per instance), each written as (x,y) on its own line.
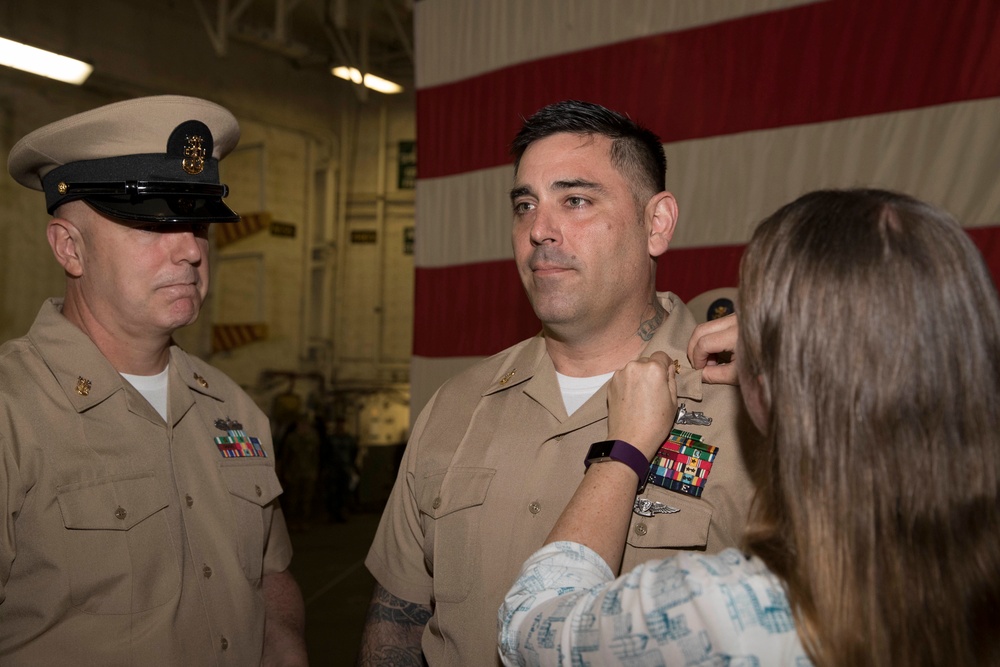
(869,356)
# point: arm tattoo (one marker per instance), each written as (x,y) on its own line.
(387,608)
(648,327)
(393,629)
(394,656)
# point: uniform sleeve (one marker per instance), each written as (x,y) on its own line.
(278,550)
(11,499)
(396,557)
(692,609)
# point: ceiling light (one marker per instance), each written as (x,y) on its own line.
(44,63)
(369,80)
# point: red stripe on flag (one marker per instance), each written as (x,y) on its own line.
(808,64)
(470,310)
(687,272)
(474,310)
(987,239)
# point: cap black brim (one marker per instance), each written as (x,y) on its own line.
(165,209)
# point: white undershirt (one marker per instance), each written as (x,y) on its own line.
(153,388)
(577,391)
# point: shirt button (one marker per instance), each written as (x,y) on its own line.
(640,529)
(224,643)
(189,500)
(257,490)
(207,571)
(535,507)
(436,504)
(120,513)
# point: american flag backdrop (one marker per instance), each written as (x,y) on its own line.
(757,101)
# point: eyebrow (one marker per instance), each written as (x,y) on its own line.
(576,183)
(520,191)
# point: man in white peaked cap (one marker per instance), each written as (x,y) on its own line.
(141,523)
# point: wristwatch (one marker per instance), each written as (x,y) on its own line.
(621,451)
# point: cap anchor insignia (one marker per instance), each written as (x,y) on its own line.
(194,155)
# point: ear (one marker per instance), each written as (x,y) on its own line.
(661,218)
(757,398)
(67,246)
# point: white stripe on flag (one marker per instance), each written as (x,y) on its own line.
(457,39)
(725,185)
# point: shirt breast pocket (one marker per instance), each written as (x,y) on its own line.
(677,522)
(252,485)
(451,501)
(121,559)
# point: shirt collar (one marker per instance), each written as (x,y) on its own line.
(86,376)
(529,367)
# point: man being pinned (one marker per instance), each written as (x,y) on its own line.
(500,449)
(131,537)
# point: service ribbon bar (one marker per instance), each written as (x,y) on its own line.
(683,463)
(237,444)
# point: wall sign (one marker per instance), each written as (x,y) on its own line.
(407,240)
(283,229)
(364,236)
(407,165)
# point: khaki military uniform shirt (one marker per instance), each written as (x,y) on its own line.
(493,460)
(127,540)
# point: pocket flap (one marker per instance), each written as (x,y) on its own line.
(254,482)
(452,490)
(686,529)
(110,503)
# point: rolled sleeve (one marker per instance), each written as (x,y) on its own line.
(396,558)
(278,550)
(11,499)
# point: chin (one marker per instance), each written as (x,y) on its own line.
(183,316)
(553,311)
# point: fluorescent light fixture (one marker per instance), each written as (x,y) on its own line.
(369,80)
(44,63)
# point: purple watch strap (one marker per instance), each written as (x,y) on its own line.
(622,452)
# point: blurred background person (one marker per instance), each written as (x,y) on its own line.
(338,453)
(300,452)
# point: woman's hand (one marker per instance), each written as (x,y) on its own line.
(642,402)
(712,349)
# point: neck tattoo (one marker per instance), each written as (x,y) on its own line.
(648,327)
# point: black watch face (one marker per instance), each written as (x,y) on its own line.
(600,450)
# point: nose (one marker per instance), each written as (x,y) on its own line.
(544,230)
(188,245)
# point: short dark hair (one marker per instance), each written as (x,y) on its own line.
(635,151)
